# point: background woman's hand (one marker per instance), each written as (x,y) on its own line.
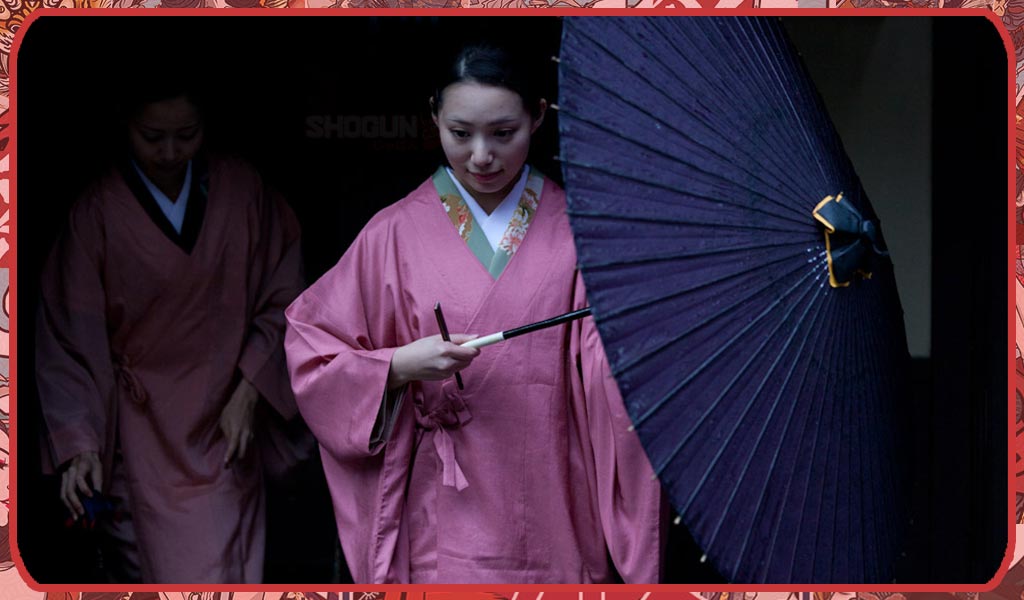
(430,359)
(236,420)
(83,474)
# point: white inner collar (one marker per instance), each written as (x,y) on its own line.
(174,211)
(495,224)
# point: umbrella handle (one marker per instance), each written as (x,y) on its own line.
(487,340)
(501,336)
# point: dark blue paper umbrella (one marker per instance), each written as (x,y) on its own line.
(742,289)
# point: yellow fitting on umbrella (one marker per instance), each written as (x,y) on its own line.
(853,225)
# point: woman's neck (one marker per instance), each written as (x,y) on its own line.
(490,202)
(170,186)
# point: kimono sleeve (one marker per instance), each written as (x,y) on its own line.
(74,372)
(632,507)
(276,279)
(339,342)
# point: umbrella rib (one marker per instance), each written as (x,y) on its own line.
(810,471)
(869,346)
(749,79)
(764,427)
(843,484)
(821,498)
(730,161)
(673,100)
(779,97)
(828,392)
(700,368)
(743,55)
(675,221)
(789,101)
(843,527)
(710,319)
(626,309)
(881,468)
(640,357)
(841,169)
(797,86)
(829,344)
(750,404)
(797,217)
(725,96)
(728,61)
(805,220)
(707,471)
(686,255)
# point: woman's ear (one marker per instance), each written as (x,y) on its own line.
(433,110)
(543,107)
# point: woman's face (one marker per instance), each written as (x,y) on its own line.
(164,136)
(485,132)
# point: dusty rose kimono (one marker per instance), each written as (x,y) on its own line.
(143,335)
(528,475)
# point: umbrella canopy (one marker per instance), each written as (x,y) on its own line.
(742,289)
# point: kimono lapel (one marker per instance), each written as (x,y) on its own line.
(514,298)
(473,301)
(164,267)
(194,212)
(462,218)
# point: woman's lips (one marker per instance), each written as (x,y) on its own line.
(485,177)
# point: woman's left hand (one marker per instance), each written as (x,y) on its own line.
(236,422)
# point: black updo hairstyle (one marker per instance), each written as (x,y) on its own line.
(163,78)
(490,64)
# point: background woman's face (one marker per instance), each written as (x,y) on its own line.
(485,132)
(164,136)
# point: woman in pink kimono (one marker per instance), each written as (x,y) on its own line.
(530,474)
(159,337)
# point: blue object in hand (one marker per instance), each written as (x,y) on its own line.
(96,507)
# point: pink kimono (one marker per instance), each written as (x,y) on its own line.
(141,340)
(528,475)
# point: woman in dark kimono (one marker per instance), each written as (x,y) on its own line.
(159,334)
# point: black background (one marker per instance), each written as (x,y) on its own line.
(268,76)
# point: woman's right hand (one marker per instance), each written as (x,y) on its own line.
(83,474)
(430,359)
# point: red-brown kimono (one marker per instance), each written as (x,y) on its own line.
(142,336)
